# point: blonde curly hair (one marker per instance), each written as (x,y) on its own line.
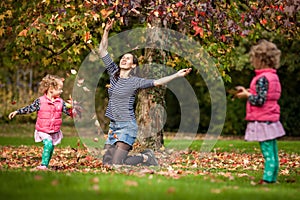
(49,81)
(264,55)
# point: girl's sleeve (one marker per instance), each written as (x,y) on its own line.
(262,86)
(35,106)
(110,66)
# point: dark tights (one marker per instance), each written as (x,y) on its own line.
(118,154)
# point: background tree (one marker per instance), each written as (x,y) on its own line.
(48,36)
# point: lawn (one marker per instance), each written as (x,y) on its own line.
(230,171)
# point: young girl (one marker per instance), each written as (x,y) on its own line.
(49,108)
(124,86)
(262,110)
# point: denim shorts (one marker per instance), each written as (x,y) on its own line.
(122,131)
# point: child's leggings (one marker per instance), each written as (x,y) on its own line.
(47,152)
(270,152)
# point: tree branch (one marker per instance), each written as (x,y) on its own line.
(55,53)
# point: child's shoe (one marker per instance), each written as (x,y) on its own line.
(42,167)
(263,182)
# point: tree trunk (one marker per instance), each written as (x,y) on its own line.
(150,108)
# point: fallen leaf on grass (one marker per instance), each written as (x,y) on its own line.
(173,163)
(38,177)
(216,191)
(95,180)
(96,188)
(131,183)
(55,182)
(171,190)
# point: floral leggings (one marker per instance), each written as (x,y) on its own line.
(47,152)
(269,150)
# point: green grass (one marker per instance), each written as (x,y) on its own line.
(26,184)
(52,185)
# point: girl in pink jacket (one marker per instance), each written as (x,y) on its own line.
(262,109)
(49,108)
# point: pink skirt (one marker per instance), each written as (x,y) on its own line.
(262,131)
(55,137)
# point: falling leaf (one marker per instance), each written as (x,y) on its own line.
(95,139)
(97,123)
(73,71)
(80,82)
(86,89)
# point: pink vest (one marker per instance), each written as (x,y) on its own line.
(270,110)
(49,117)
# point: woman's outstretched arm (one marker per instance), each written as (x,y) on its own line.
(167,79)
(104,41)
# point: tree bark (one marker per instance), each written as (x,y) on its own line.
(151,105)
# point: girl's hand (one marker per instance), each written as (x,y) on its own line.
(242,92)
(183,72)
(12,114)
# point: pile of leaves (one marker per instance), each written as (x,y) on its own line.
(172,163)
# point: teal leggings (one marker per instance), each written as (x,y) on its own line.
(269,150)
(47,152)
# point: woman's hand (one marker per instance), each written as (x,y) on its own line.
(183,72)
(109,25)
(104,41)
(12,114)
(167,79)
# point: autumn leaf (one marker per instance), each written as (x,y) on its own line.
(23,33)
(59,28)
(80,82)
(95,16)
(173,164)
(87,36)
(2,31)
(198,30)
(179,4)
(105,13)
(263,21)
(171,190)
(131,183)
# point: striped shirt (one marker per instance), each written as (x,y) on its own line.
(122,92)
